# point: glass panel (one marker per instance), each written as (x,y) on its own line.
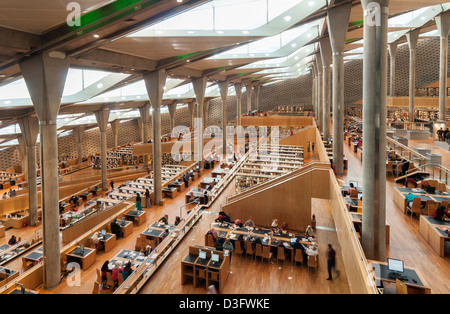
(277,7)
(15,90)
(235,15)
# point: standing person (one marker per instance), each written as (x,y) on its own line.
(331,262)
(126,271)
(186,179)
(138,201)
(105,269)
(112,184)
(148,201)
(115,274)
(312,146)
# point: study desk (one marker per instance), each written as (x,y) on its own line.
(120,196)
(108,240)
(267,236)
(413,279)
(208,182)
(127,227)
(125,256)
(86,260)
(433,231)
(2,231)
(32,259)
(219,172)
(197,194)
(399,197)
(155,233)
(170,192)
(178,185)
(198,269)
(138,216)
(7,275)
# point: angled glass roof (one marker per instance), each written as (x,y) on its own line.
(232,18)
(415,18)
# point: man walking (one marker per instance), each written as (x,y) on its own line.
(331,262)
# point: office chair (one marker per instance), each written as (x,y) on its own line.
(266,253)
(401,288)
(298,258)
(96,288)
(249,249)
(237,248)
(312,261)
(416,207)
(281,256)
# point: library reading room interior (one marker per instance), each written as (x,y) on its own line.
(224,147)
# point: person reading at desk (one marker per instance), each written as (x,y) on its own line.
(228,246)
(350,189)
(274,226)
(309,231)
(13,240)
(163,220)
(116,229)
(440,213)
(409,198)
(165,233)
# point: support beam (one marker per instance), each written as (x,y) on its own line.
(223,87)
(145,116)
(45,77)
(257,90)
(443,25)
(326,55)
(337,21)
(238,90)
(102,117)
(392,53)
(172,111)
(29,125)
(140,125)
(249,90)
(199,89)
(79,137)
(206,104)
(412,37)
(115,129)
(374,129)
(319,92)
(192,110)
(155,82)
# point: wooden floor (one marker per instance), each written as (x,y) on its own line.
(406,243)
(253,276)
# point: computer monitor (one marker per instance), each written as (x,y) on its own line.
(215,257)
(293,240)
(355,183)
(202,254)
(81,249)
(395,265)
(103,232)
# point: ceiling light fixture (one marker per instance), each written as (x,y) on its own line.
(287,18)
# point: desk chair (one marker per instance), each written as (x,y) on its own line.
(109,280)
(152,244)
(281,256)
(445,204)
(249,249)
(96,288)
(259,250)
(410,185)
(99,276)
(312,261)
(401,288)
(238,248)
(390,167)
(430,206)
(354,193)
(298,258)
(441,187)
(137,246)
(266,253)
(210,240)
(416,207)
(359,207)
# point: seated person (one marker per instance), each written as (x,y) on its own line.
(284,226)
(13,240)
(213,233)
(164,220)
(116,229)
(218,244)
(225,216)
(165,233)
(440,212)
(177,220)
(249,223)
(409,198)
(309,231)
(412,181)
(238,223)
(275,226)
(350,189)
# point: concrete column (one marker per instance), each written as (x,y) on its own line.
(326,54)
(79,137)
(443,25)
(257,90)
(102,117)
(319,92)
(238,90)
(192,111)
(412,37)
(115,129)
(145,116)
(314,92)
(337,21)
(22,147)
(155,82)
(374,129)
(249,90)
(29,126)
(140,128)
(45,75)
(223,87)
(392,53)
(199,89)
(206,104)
(172,111)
